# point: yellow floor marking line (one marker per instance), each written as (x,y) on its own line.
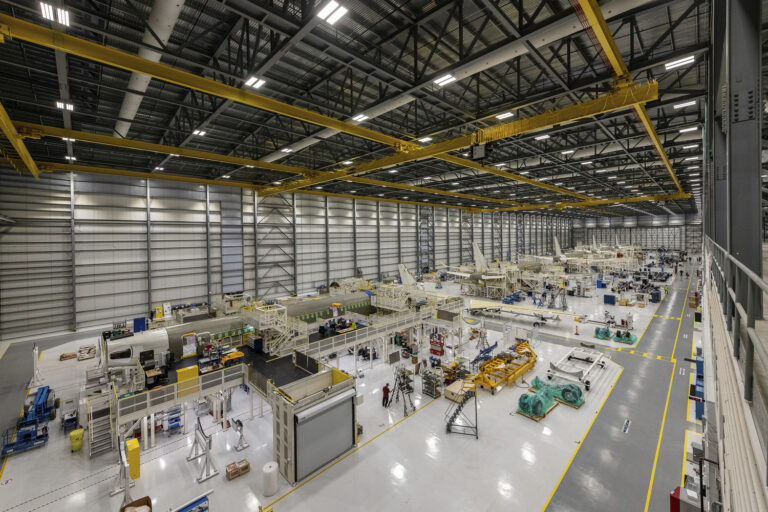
(355,450)
(666,404)
(631,351)
(5,350)
(658,357)
(581,443)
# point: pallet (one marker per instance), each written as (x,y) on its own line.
(538,418)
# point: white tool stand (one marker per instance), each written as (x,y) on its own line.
(242,444)
(201,447)
(123,482)
(37,378)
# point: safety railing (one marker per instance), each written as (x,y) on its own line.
(740,293)
(136,406)
(382,328)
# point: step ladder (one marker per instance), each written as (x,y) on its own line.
(100,423)
(458,420)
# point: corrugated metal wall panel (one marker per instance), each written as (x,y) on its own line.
(36,255)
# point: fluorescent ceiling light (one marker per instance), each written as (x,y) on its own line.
(254,82)
(63,16)
(352,191)
(611,177)
(691,129)
(680,62)
(587,162)
(427,178)
(72,158)
(393,171)
(683,105)
(559,183)
(360,117)
(318,188)
(226,176)
(404,197)
(692,146)
(505,115)
(443,202)
(249,166)
(692,167)
(47,11)
(691,158)
(524,173)
(499,165)
(199,132)
(542,137)
(599,171)
(286,150)
(455,183)
(332,12)
(381,195)
(277,183)
(67,139)
(425,139)
(347,162)
(620,182)
(566,152)
(445,80)
(65,106)
(174,154)
(694,181)
(159,168)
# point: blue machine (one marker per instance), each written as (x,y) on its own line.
(32,430)
(484,354)
(609,299)
(511,298)
(655,296)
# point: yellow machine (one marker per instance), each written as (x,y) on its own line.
(505,369)
(132,455)
(233,358)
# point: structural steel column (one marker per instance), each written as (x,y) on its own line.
(72,247)
(149,248)
(354,237)
(378,241)
(295,257)
(461,237)
(256,244)
(743,54)
(208,240)
(327,248)
(399,238)
(447,213)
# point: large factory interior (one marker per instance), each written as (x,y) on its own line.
(384,255)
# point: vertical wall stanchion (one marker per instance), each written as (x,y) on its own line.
(327,246)
(73,262)
(208,240)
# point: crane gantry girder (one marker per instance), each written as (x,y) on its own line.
(592,17)
(10,132)
(622,97)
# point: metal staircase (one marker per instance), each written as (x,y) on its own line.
(457,420)
(100,423)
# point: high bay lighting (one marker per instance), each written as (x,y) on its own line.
(254,82)
(332,12)
(445,80)
(62,15)
(680,62)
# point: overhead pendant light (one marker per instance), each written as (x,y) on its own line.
(445,80)
(425,139)
(505,115)
(254,82)
(566,152)
(692,146)
(65,106)
(691,129)
(360,117)
(332,12)
(347,162)
(201,133)
(680,62)
(685,104)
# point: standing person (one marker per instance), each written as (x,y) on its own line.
(385,395)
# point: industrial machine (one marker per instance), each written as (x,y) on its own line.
(32,429)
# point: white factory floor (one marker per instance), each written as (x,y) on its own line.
(396,456)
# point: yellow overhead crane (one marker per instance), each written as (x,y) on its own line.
(625,95)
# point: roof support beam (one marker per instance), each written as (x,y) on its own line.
(57,167)
(598,26)
(621,98)
(592,202)
(9,130)
(30,32)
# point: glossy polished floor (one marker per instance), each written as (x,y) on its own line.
(569,461)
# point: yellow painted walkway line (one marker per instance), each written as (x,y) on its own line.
(666,404)
(582,440)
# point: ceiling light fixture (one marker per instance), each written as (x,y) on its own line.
(620,182)
(277,183)
(332,12)
(159,168)
(692,146)
(566,152)
(425,139)
(65,106)
(600,171)
(690,158)
(360,118)
(318,188)
(67,139)
(226,176)
(72,158)
(201,133)
(393,171)
(542,137)
(587,162)
(692,167)
(254,82)
(287,150)
(691,129)
(445,80)
(505,115)
(680,62)
(347,162)
(611,177)
(683,105)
